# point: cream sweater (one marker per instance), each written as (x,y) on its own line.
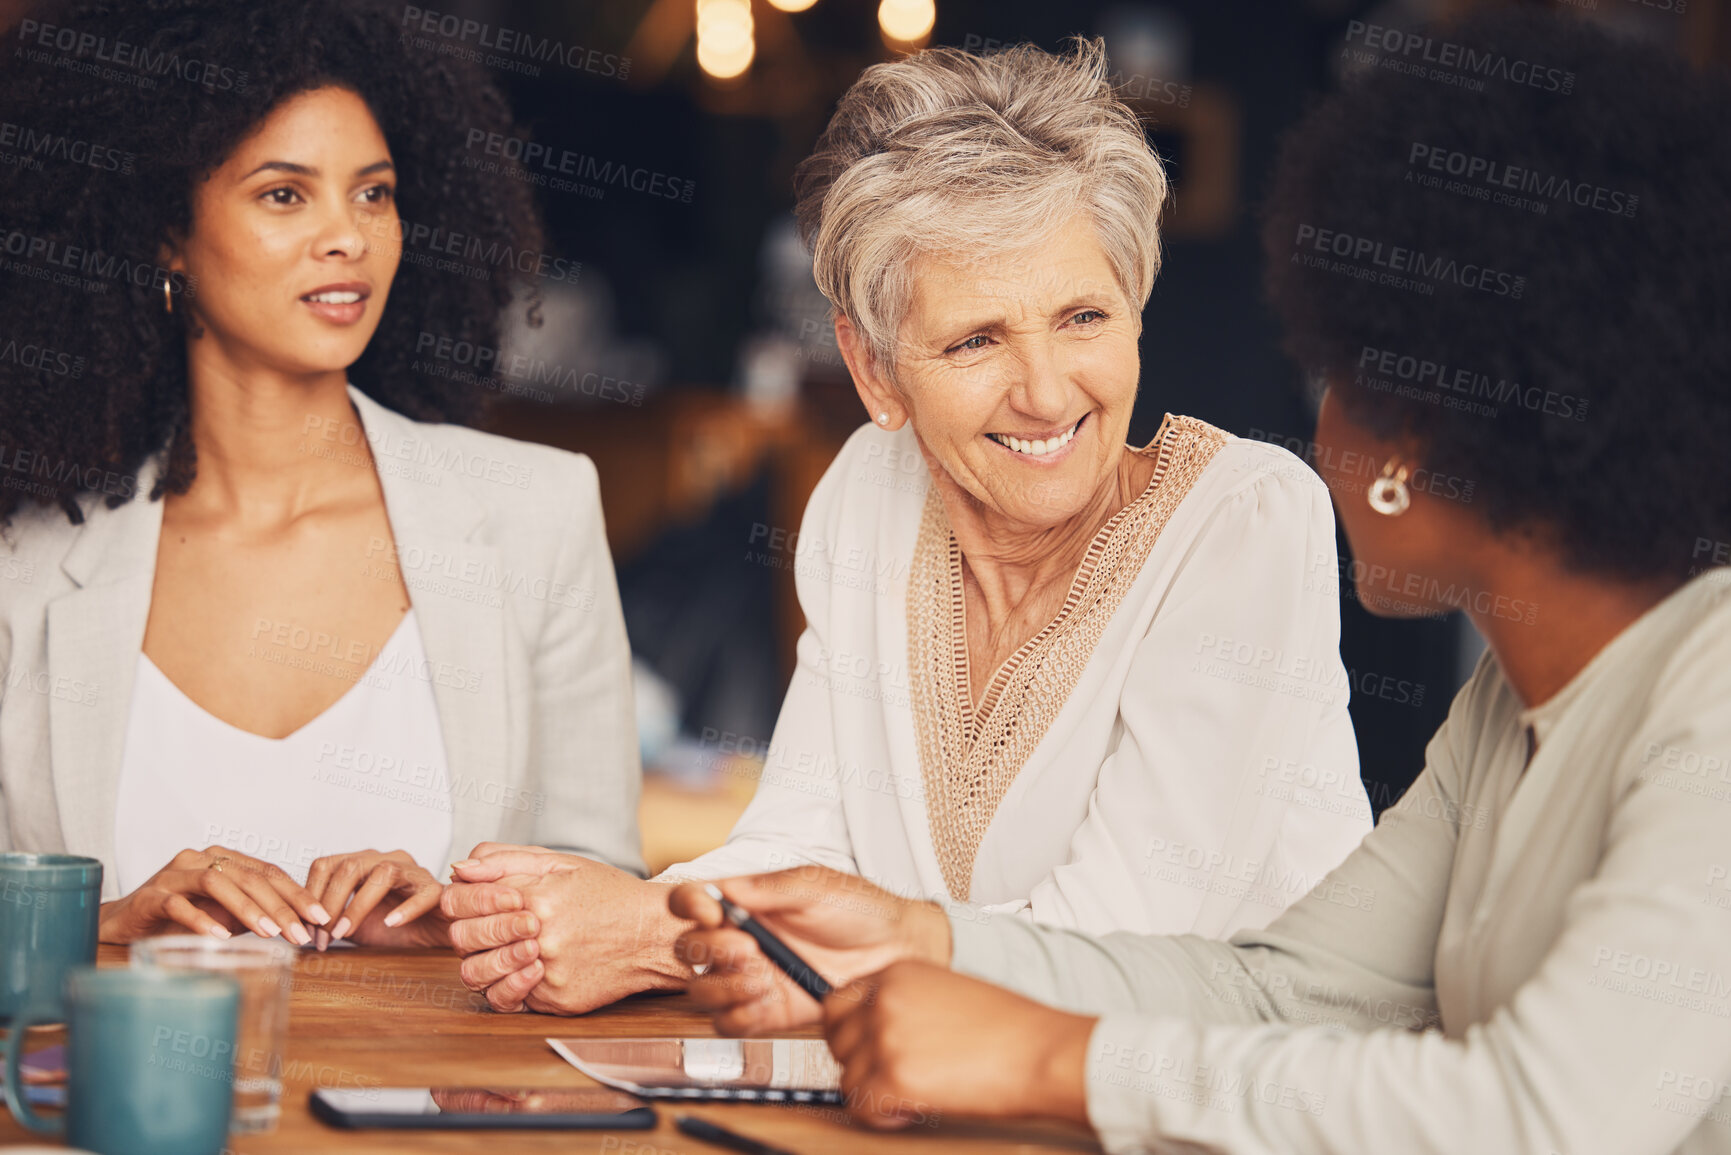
(1567,930)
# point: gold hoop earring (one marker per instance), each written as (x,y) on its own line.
(1388,494)
(168,296)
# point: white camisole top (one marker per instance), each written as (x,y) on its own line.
(369,773)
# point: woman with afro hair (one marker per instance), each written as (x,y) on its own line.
(277,638)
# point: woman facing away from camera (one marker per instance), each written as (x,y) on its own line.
(218,680)
(1043,673)
(1547,961)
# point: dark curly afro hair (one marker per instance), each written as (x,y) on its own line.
(1590,402)
(114,109)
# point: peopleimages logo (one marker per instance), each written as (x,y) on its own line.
(1398,265)
(40,39)
(37,143)
(1435,59)
(436,247)
(1492,180)
(484,361)
(542,161)
(53,474)
(1459,388)
(496,44)
(52,255)
(39,358)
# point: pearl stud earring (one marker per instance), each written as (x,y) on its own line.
(883,418)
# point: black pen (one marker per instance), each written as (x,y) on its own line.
(791,964)
(720,1136)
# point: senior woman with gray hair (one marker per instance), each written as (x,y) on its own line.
(1042,672)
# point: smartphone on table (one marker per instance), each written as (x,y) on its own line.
(483,1108)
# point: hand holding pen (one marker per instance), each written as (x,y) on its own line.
(833,928)
(773,948)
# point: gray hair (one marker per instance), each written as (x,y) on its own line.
(955,153)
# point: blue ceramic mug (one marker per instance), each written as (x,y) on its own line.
(49,906)
(149,1062)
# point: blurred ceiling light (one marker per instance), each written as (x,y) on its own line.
(792,5)
(714,14)
(725,45)
(907,21)
(725,66)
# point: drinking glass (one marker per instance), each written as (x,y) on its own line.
(264,969)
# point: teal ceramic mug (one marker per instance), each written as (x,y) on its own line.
(49,906)
(149,1062)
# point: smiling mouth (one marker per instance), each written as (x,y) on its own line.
(1038,448)
(342,297)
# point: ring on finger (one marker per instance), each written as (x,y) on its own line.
(217,864)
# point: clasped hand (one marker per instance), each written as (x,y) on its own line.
(558,933)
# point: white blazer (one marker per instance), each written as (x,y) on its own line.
(501,545)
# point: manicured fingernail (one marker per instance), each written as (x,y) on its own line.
(321,938)
(268,928)
(393,918)
(220,932)
(527,925)
(342,927)
(320,915)
(298,934)
(467,862)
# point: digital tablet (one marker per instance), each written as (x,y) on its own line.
(753,1070)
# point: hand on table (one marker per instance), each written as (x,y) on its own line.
(918,1040)
(214,891)
(492,861)
(558,933)
(489,924)
(355,885)
(841,924)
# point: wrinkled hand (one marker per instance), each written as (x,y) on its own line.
(355,885)
(214,891)
(918,1041)
(481,901)
(559,933)
(841,924)
(491,861)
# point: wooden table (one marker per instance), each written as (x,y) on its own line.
(402,1018)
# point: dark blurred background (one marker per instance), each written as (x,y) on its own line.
(702,372)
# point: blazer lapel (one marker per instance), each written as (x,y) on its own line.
(95,634)
(459,608)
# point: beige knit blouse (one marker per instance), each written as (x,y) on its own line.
(970,753)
